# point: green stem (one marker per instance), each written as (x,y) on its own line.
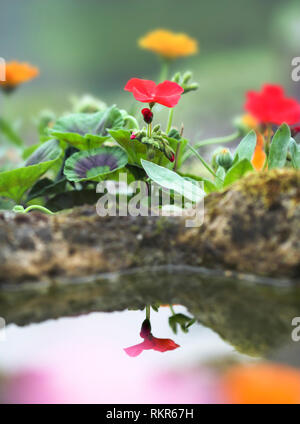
(203,161)
(20,209)
(165,64)
(216,140)
(170,119)
(133,121)
(177,156)
(172,309)
(148,312)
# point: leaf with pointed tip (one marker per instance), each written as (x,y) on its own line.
(172,181)
(237,171)
(94,164)
(279,147)
(246,147)
(87,130)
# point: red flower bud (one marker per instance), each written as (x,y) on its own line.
(172,157)
(132,137)
(148,115)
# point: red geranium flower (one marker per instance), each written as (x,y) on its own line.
(271,106)
(150,342)
(166,93)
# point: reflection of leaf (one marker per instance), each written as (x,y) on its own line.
(181,320)
(279,147)
(87,130)
(92,165)
(13,184)
(172,181)
(237,171)
(72,198)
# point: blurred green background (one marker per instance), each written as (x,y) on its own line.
(91,47)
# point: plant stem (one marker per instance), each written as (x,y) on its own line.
(170,119)
(172,309)
(133,121)
(164,70)
(32,207)
(176,156)
(203,161)
(148,312)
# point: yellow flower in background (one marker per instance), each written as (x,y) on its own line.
(168,44)
(17,73)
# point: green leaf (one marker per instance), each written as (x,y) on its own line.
(295,153)
(46,152)
(135,150)
(279,147)
(172,181)
(7,129)
(87,130)
(237,171)
(221,173)
(246,147)
(15,183)
(47,187)
(94,164)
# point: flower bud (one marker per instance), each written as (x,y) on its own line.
(146,329)
(177,77)
(169,153)
(148,115)
(224,159)
(186,77)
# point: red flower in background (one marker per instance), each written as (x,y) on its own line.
(166,93)
(150,342)
(270,106)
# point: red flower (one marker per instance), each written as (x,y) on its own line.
(150,342)
(271,106)
(166,93)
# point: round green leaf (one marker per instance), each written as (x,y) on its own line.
(94,164)
(87,130)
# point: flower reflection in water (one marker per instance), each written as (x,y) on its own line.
(150,342)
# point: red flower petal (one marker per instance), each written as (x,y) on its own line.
(163,345)
(142,90)
(167,93)
(271,106)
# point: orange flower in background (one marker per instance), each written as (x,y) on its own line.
(168,44)
(17,73)
(259,156)
(262,384)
